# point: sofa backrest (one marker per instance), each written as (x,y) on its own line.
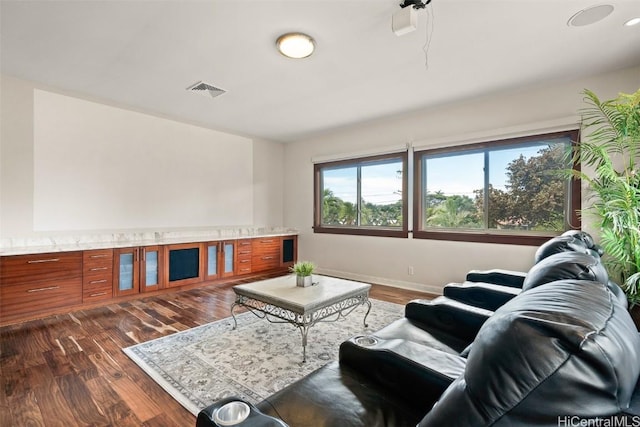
(586,238)
(560,350)
(565,265)
(560,244)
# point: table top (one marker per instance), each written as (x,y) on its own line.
(283,292)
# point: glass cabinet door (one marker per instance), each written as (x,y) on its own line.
(229,258)
(151,268)
(125,271)
(212,260)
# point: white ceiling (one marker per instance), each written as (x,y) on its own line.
(144,54)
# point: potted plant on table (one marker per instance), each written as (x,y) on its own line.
(303,271)
(611,150)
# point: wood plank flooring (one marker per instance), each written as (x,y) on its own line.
(69,370)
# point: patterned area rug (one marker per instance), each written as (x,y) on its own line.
(201,365)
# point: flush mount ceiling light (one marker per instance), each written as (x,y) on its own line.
(295,45)
(590,15)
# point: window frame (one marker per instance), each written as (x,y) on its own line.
(318,227)
(484,235)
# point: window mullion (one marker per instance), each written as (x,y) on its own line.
(359,196)
(485,202)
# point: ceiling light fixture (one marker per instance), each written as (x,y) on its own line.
(590,15)
(631,22)
(295,45)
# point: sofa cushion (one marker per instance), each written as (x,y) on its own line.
(546,354)
(566,265)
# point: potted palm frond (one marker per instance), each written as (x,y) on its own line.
(303,271)
(609,150)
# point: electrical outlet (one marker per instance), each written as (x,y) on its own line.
(410,270)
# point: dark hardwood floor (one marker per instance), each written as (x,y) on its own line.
(69,370)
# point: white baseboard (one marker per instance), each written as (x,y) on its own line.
(420,287)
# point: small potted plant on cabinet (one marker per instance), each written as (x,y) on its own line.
(303,271)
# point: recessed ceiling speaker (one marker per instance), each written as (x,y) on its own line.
(404,21)
(590,15)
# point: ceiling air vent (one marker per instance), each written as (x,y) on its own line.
(206,89)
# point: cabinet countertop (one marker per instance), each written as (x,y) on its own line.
(127,239)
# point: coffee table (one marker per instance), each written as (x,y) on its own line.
(279,300)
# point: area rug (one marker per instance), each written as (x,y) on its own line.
(201,365)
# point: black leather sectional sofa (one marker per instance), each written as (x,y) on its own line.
(560,350)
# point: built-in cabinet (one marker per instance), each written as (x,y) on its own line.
(137,270)
(32,285)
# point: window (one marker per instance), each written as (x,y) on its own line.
(503,192)
(362,196)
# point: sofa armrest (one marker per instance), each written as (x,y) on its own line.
(450,316)
(418,373)
(484,295)
(497,276)
(338,395)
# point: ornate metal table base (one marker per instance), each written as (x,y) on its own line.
(302,321)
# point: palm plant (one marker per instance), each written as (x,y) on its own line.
(610,149)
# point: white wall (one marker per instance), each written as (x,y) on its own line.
(268,180)
(386,260)
(69,164)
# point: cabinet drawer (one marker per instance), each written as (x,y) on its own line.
(266,244)
(245,243)
(20,269)
(244,252)
(97,292)
(97,260)
(244,269)
(35,297)
(244,264)
(98,270)
(97,255)
(97,279)
(265,262)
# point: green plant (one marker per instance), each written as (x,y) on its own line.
(303,268)
(610,150)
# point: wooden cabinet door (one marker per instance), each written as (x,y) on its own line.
(184,264)
(151,268)
(126,271)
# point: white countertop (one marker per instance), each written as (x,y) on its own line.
(62,242)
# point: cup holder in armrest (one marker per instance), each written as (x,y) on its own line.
(366,340)
(232,413)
